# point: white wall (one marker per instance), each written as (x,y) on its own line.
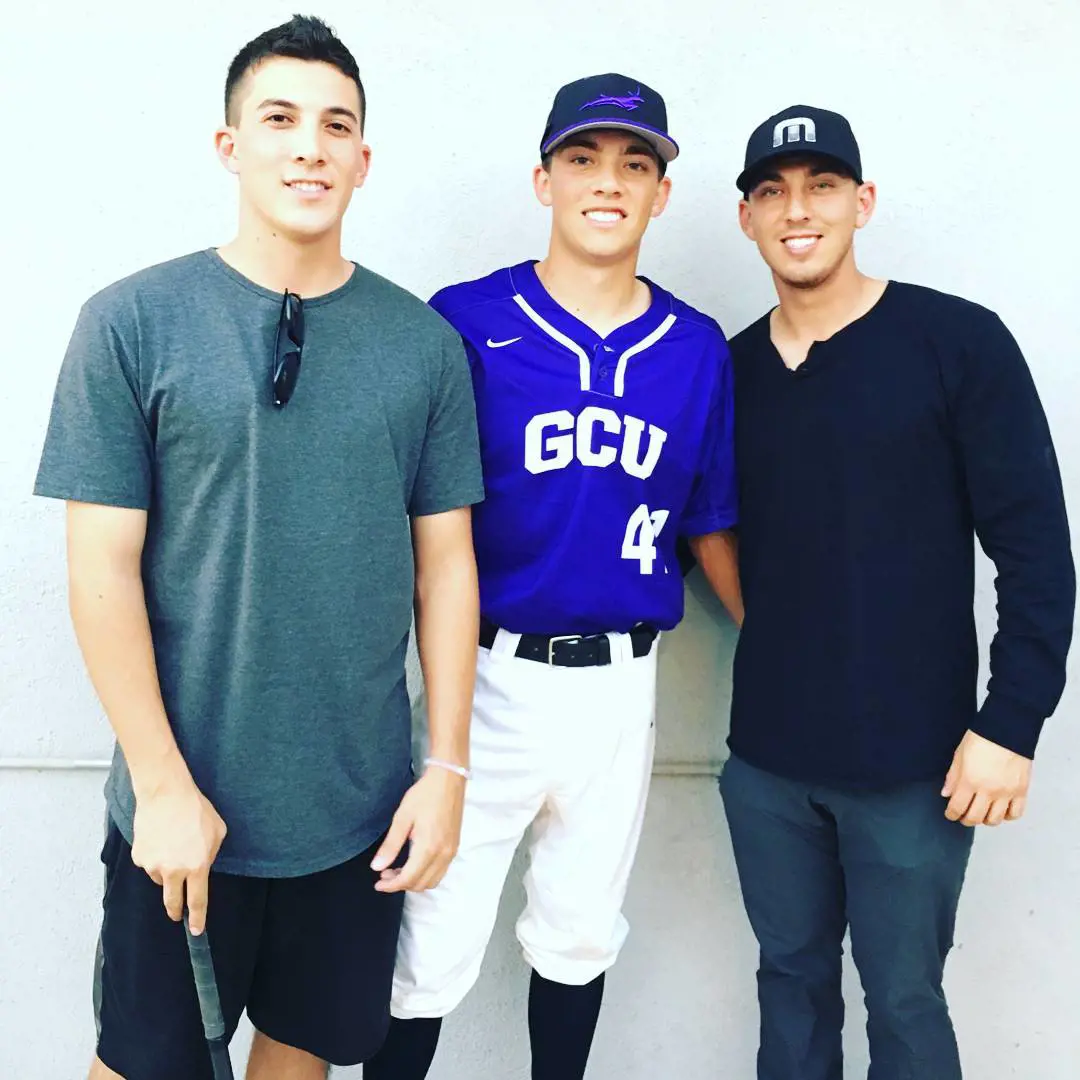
(966,110)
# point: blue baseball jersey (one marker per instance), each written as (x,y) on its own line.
(598,452)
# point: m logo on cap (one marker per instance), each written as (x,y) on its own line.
(798,129)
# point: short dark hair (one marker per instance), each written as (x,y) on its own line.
(303,37)
(661,164)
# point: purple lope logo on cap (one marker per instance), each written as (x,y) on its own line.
(629,102)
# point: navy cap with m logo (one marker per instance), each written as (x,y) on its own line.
(609,101)
(800,131)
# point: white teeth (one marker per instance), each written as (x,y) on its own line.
(800,243)
(604,215)
(307,185)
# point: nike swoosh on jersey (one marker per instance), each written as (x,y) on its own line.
(500,344)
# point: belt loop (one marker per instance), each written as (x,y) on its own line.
(505,643)
(621,647)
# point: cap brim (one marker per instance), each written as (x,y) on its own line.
(664,145)
(746,177)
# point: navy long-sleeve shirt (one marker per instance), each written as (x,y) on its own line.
(864,477)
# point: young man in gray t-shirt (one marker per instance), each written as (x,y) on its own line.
(258,485)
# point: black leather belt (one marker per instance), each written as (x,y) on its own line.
(569,650)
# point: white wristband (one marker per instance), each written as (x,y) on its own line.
(460,770)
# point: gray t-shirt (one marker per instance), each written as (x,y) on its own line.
(278,559)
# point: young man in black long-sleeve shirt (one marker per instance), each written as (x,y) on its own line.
(880,427)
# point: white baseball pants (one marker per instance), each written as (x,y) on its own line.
(564,754)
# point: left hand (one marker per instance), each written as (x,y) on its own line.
(430,817)
(986,783)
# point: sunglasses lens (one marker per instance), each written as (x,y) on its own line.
(285,378)
(290,342)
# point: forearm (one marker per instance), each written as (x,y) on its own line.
(447,628)
(108,610)
(1027,659)
(717,555)
(1022,526)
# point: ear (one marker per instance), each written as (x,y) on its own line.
(663,193)
(225,146)
(363,166)
(542,185)
(746,222)
(867,197)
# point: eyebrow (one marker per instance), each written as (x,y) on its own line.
(634,149)
(776,178)
(333,110)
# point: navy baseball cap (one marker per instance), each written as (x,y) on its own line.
(609,101)
(800,130)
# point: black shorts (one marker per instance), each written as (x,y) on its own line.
(310,958)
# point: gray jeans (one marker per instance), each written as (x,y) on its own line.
(814,862)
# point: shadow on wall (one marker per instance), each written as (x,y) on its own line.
(694,697)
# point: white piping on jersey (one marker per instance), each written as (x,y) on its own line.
(583,357)
(641,346)
(562,339)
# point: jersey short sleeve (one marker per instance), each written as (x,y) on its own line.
(449,475)
(98,447)
(713,503)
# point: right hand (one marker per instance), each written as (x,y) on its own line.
(177,837)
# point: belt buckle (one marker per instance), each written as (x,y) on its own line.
(559,637)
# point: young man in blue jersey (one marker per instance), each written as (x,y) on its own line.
(605,414)
(880,428)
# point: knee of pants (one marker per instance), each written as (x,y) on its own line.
(437,962)
(824,964)
(421,995)
(907,1006)
(573,951)
(900,984)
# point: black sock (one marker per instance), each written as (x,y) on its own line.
(562,1020)
(407,1052)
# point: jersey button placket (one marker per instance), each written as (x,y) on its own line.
(600,357)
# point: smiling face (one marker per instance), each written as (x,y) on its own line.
(603,188)
(294,141)
(802,214)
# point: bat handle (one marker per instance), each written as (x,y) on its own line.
(202,967)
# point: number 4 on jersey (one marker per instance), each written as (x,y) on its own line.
(639,541)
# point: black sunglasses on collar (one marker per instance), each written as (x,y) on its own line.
(287,350)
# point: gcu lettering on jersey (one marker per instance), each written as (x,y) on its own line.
(554,439)
(797,129)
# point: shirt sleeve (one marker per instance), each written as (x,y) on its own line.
(449,475)
(1014,486)
(98,445)
(713,502)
